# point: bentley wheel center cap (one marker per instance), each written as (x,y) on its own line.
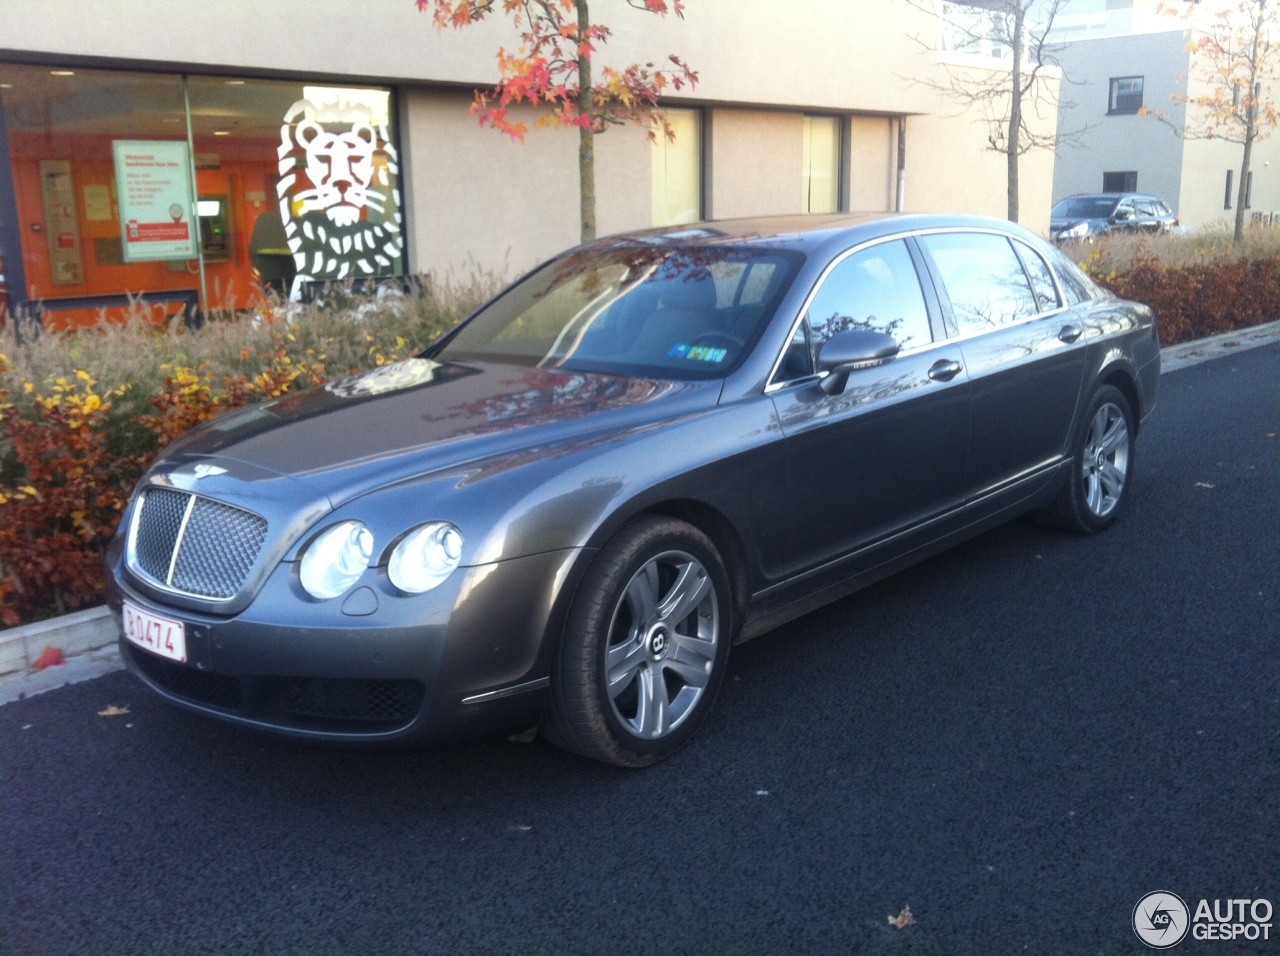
(659,641)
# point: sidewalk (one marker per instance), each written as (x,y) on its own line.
(87,638)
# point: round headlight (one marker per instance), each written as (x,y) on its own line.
(335,560)
(425,557)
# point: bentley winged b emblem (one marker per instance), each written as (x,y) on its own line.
(207,471)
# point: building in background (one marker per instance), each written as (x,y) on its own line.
(195,153)
(1134,57)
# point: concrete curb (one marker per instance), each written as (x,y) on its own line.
(87,639)
(21,647)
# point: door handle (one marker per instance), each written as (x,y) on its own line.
(944,370)
(1069,333)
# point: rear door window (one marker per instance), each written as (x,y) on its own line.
(983,278)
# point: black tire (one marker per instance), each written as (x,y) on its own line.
(1102,466)
(654,611)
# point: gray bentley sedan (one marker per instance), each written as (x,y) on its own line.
(563,512)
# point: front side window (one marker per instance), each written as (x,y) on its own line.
(1126,94)
(651,311)
(877,289)
(983,278)
(677,170)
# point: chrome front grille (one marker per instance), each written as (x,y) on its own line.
(194,545)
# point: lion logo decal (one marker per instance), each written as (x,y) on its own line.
(347,223)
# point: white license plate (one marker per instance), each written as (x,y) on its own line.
(156,634)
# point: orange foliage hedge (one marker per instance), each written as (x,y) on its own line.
(1198,299)
(63,489)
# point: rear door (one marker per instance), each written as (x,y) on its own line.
(1023,352)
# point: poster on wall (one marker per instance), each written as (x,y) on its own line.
(61,223)
(153,188)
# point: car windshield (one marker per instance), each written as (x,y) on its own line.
(1085,207)
(637,309)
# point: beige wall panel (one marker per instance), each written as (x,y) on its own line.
(806,53)
(951,168)
(623,180)
(872,165)
(756,163)
(480,201)
(1204,182)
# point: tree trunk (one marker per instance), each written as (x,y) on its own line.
(1243,192)
(586,138)
(1013,137)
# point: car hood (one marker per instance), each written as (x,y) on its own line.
(1057,225)
(418,417)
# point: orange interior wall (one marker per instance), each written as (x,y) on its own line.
(244,166)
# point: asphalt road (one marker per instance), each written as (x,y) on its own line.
(1018,739)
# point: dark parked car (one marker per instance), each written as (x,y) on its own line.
(562,513)
(1086,216)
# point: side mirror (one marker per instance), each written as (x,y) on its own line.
(851,350)
(1122,215)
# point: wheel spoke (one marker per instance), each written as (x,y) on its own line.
(1093,495)
(621,663)
(1112,480)
(687,591)
(1099,425)
(691,660)
(651,712)
(1116,437)
(642,595)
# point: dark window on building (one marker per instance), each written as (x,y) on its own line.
(1226,195)
(1122,182)
(1126,94)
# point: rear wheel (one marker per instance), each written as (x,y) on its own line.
(645,648)
(1101,468)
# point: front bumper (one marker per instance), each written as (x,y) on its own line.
(467,659)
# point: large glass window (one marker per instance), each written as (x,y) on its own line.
(194,191)
(821,164)
(677,170)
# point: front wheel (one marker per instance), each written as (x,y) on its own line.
(645,648)
(1101,468)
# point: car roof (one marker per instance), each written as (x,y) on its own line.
(1109,196)
(809,232)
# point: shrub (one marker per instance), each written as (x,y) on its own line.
(1199,284)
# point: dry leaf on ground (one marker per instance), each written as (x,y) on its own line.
(902,919)
(51,657)
(113,711)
